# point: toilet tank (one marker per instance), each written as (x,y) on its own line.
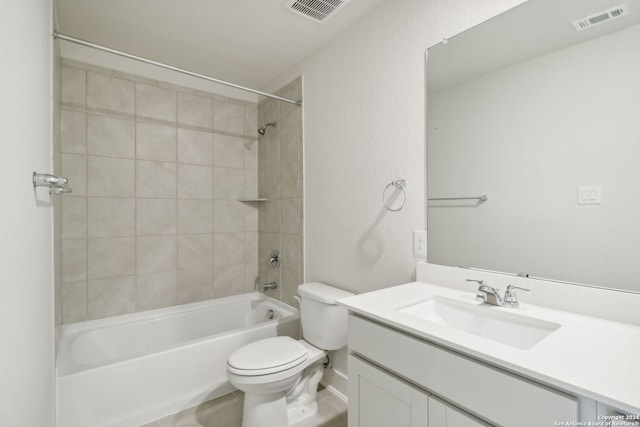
(324,323)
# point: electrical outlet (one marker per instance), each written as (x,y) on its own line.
(590,195)
(420,244)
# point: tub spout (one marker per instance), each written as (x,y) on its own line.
(268,286)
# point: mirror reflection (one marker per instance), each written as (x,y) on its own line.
(539,110)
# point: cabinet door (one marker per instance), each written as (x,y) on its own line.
(377,399)
(443,415)
(498,396)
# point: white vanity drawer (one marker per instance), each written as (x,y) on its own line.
(495,395)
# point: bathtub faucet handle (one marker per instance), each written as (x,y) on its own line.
(274,259)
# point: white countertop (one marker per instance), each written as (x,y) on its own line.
(595,358)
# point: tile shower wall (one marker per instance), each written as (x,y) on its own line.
(280,181)
(154,218)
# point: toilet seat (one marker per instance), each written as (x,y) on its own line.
(267,356)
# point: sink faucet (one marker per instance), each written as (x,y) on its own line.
(487,294)
(490,295)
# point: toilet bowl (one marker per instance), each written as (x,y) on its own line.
(280,375)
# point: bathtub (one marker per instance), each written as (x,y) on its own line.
(128,370)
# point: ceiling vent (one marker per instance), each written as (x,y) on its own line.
(600,17)
(316,10)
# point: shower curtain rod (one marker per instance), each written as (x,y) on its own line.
(57,35)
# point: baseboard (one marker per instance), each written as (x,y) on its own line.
(337,382)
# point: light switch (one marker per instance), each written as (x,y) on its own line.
(590,195)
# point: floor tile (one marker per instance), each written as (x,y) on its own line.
(226,411)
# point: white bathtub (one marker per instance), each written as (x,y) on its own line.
(128,370)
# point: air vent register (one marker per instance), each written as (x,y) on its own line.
(316,10)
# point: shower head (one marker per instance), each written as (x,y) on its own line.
(263,128)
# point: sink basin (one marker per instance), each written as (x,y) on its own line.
(492,323)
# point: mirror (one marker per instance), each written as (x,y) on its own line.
(543,119)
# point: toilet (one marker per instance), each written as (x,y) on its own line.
(280,375)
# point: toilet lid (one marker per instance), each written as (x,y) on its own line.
(267,356)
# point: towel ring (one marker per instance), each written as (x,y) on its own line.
(400,184)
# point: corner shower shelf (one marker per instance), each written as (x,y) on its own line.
(257,199)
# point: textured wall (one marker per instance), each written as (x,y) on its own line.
(156,171)
(26,226)
(56,126)
(364,126)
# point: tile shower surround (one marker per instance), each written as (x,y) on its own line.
(156,171)
(280,180)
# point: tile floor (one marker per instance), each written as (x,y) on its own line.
(226,411)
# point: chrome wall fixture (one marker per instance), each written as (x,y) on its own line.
(482,198)
(274,259)
(263,129)
(399,184)
(268,286)
(57,184)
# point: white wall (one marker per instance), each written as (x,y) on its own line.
(26,286)
(528,136)
(364,126)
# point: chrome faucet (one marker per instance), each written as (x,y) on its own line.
(274,259)
(269,286)
(490,295)
(487,294)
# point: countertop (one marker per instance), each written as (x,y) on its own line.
(587,356)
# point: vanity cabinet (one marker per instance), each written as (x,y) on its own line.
(380,399)
(381,356)
(444,415)
(383,400)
